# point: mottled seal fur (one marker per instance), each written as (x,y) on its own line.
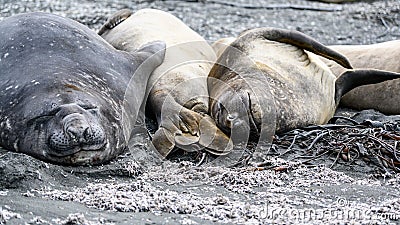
(383,96)
(178,95)
(265,80)
(63,89)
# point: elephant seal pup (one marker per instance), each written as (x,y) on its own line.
(265,80)
(62,90)
(178,94)
(383,96)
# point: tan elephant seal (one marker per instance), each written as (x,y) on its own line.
(178,94)
(383,96)
(268,79)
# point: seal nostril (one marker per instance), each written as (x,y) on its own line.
(77,133)
(88,134)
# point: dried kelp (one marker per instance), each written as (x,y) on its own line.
(346,142)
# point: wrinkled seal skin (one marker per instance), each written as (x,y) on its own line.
(265,80)
(383,96)
(62,90)
(178,95)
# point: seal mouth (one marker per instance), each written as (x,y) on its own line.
(71,150)
(62,144)
(75,139)
(77,129)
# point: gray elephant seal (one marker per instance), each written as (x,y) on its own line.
(178,94)
(383,96)
(266,80)
(62,90)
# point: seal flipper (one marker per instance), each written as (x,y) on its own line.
(202,133)
(166,139)
(150,56)
(174,130)
(191,132)
(212,138)
(353,78)
(114,20)
(163,141)
(300,40)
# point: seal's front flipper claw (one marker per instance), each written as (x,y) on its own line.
(114,20)
(189,121)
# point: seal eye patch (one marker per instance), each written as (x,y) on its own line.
(44,117)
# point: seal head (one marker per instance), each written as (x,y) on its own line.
(67,96)
(273,79)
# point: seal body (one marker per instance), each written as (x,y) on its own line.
(62,90)
(383,56)
(220,45)
(178,94)
(270,79)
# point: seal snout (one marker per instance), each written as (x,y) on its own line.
(80,131)
(77,128)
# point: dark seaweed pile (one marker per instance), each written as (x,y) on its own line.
(369,142)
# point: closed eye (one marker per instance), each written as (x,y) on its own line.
(88,107)
(39,120)
(44,117)
(251,115)
(50,114)
(56,110)
(219,106)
